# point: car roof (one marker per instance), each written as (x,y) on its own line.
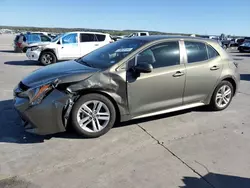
(162,37)
(89,32)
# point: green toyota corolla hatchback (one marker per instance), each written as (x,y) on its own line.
(128,79)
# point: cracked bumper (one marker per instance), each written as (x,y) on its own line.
(33,55)
(44,118)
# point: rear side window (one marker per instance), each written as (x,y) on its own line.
(101,37)
(87,37)
(212,53)
(33,38)
(196,51)
(143,34)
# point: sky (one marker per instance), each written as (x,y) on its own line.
(181,16)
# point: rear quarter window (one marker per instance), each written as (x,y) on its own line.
(212,53)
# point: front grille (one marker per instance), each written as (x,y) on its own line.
(23,87)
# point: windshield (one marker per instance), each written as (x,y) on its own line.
(55,39)
(111,54)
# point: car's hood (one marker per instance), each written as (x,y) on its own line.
(65,71)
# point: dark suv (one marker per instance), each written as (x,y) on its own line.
(23,41)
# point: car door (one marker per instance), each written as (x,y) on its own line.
(203,69)
(163,87)
(88,43)
(69,47)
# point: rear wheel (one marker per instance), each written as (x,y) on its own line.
(24,50)
(222,96)
(47,58)
(93,115)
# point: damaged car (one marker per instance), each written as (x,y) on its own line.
(132,78)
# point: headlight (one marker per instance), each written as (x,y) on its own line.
(34,48)
(36,95)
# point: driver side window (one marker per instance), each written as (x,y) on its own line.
(70,39)
(161,55)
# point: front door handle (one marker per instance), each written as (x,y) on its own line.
(215,67)
(96,44)
(178,74)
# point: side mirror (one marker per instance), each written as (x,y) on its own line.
(143,67)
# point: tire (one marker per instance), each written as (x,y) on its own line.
(88,130)
(47,58)
(24,50)
(215,100)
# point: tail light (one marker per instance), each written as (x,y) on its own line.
(19,44)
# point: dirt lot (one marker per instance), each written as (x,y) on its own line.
(189,149)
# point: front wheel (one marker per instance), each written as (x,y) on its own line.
(222,96)
(47,58)
(93,115)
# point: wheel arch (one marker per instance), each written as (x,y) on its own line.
(225,78)
(48,50)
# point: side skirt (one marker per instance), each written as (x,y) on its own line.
(171,110)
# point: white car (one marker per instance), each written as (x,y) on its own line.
(137,34)
(67,46)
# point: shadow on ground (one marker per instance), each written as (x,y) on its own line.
(245,77)
(157,117)
(16,182)
(11,126)
(8,51)
(242,55)
(22,63)
(12,130)
(216,180)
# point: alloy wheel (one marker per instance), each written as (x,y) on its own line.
(47,59)
(223,96)
(93,116)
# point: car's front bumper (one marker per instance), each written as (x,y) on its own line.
(33,55)
(46,117)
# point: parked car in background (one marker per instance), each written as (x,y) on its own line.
(239,41)
(129,79)
(226,43)
(68,46)
(138,34)
(116,38)
(39,33)
(245,47)
(23,41)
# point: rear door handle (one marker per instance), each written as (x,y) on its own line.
(214,67)
(178,74)
(96,44)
